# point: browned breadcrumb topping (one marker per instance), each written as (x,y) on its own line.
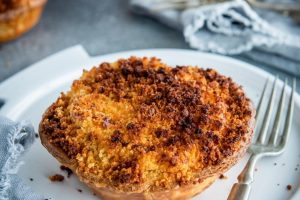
(56,178)
(138,124)
(66,169)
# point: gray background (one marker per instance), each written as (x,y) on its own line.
(101,26)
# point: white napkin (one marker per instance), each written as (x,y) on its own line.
(232,28)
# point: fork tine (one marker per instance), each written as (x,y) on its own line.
(266,121)
(288,122)
(258,109)
(275,130)
(261,99)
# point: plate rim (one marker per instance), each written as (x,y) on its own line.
(247,66)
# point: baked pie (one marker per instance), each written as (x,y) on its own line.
(140,129)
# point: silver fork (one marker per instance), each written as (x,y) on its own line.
(184,4)
(290,9)
(262,147)
(181,4)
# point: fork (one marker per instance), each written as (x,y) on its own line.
(275,6)
(184,4)
(262,147)
(181,4)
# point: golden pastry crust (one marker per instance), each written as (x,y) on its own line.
(18,16)
(138,125)
(6,5)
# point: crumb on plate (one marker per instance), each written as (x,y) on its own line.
(222,176)
(56,178)
(66,169)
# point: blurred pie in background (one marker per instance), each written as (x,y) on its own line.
(18,16)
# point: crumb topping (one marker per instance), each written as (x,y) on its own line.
(138,124)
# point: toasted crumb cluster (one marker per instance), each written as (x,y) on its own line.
(140,125)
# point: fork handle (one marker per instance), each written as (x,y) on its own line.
(240,191)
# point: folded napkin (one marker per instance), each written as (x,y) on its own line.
(15,139)
(234,28)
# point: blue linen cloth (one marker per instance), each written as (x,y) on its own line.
(15,139)
(234,28)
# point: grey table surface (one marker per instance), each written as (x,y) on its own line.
(101,26)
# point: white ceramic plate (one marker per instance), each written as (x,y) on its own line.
(30,92)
